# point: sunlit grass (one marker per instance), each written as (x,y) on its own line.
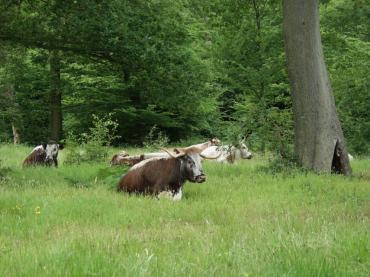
(241,222)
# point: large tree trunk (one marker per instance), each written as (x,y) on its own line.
(319,141)
(55,120)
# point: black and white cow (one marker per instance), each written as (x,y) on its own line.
(44,154)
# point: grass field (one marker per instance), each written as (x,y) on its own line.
(243,221)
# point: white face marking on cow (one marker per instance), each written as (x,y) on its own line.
(197,170)
(51,152)
(177,196)
(245,154)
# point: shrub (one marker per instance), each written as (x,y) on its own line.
(155,138)
(92,146)
(282,165)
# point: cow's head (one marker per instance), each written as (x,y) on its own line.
(51,150)
(191,165)
(244,152)
(215,142)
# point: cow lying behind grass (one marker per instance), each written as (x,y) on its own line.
(124,159)
(44,154)
(229,153)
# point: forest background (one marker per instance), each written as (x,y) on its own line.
(186,70)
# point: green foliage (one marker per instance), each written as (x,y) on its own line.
(347,50)
(103,131)
(144,67)
(155,139)
(250,57)
(109,176)
(92,146)
(195,69)
(23,94)
(286,166)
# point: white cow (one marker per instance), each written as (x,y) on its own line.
(125,159)
(229,153)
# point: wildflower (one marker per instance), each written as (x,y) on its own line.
(37,210)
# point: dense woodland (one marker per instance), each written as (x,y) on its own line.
(193,69)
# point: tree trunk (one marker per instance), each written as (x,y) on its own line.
(16,139)
(55,104)
(319,141)
(13,108)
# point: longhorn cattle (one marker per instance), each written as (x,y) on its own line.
(118,159)
(198,148)
(127,160)
(124,159)
(229,153)
(155,175)
(44,154)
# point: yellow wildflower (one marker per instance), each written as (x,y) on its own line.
(37,210)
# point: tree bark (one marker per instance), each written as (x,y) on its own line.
(55,97)
(13,109)
(16,139)
(319,141)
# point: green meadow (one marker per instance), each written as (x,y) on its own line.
(243,221)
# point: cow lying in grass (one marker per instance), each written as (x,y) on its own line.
(125,159)
(155,175)
(229,153)
(44,154)
(120,159)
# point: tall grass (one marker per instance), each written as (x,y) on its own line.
(243,221)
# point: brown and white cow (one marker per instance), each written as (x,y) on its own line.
(44,154)
(155,175)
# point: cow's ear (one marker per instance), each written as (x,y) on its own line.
(177,151)
(61,146)
(44,145)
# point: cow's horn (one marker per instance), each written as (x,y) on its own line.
(171,154)
(247,135)
(210,158)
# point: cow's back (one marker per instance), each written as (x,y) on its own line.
(213,151)
(132,181)
(37,156)
(146,176)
